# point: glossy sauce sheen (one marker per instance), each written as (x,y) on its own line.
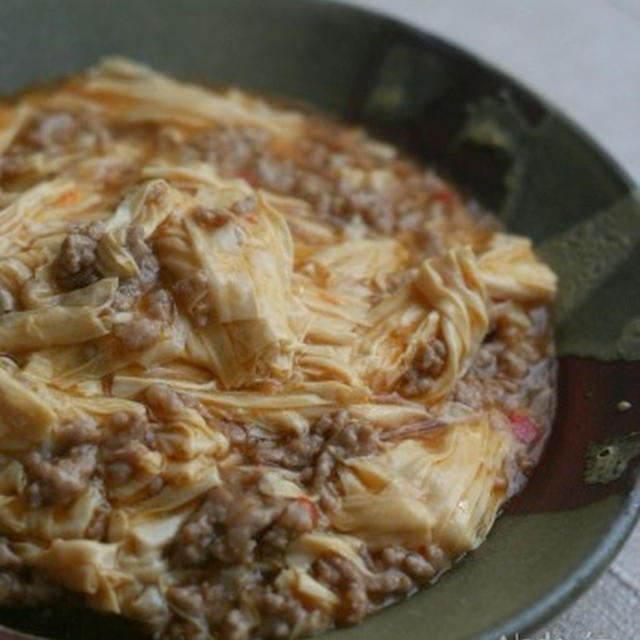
(263,374)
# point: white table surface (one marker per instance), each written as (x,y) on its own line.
(583,56)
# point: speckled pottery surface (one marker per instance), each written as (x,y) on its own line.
(539,173)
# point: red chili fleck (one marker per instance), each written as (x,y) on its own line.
(70,197)
(445,196)
(525,428)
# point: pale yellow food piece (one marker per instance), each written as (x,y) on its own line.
(294,319)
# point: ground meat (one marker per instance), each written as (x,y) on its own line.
(486,360)
(126,426)
(143,255)
(298,516)
(470,392)
(311,173)
(227,147)
(219,596)
(130,290)
(275,175)
(75,265)
(388,582)
(414,564)
(80,431)
(348,437)
(316,190)
(60,132)
(247,517)
(510,371)
(228,525)
(138,333)
(291,453)
(192,295)
(418,567)
(187,599)
(236,626)
(60,480)
(159,305)
(179,629)
(513,365)
(128,293)
(333,437)
(345,438)
(128,448)
(327,199)
(361,593)
(375,209)
(243,604)
(427,365)
(282,614)
(350,582)
(239,523)
(236,524)
(162,400)
(194,544)
(53,130)
(131,453)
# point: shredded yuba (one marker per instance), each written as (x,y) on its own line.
(259,374)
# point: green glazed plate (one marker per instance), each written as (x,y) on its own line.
(543,176)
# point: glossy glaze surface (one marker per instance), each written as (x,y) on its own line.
(506,147)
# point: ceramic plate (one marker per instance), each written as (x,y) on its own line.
(499,142)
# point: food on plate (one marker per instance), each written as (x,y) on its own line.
(260,374)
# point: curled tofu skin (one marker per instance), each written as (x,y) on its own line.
(175,328)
